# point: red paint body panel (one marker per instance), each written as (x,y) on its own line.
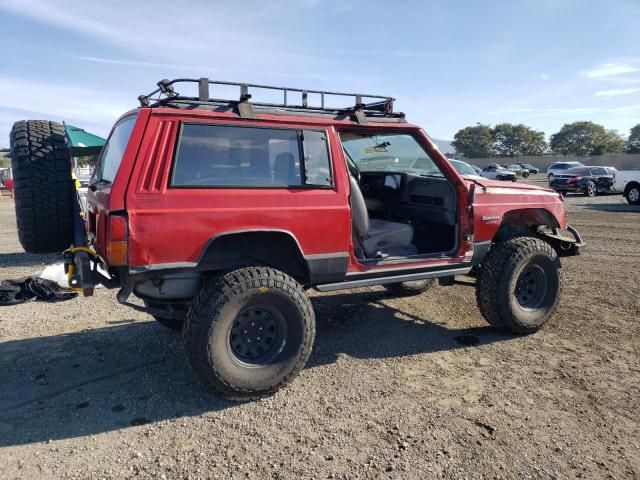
(173,225)
(503,198)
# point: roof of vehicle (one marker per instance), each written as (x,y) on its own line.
(587,169)
(566,163)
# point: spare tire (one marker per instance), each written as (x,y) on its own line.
(43,188)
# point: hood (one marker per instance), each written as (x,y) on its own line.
(491,184)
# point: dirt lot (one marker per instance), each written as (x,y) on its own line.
(402,388)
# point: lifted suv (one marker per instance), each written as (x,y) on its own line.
(218,214)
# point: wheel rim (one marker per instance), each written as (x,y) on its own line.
(634,194)
(257,335)
(591,189)
(531,287)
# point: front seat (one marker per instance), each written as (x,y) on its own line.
(284,170)
(378,238)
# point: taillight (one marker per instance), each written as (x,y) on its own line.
(117,240)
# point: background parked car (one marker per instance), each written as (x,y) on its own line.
(464,169)
(532,170)
(517,169)
(497,172)
(561,167)
(628,183)
(477,169)
(587,180)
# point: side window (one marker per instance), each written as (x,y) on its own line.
(598,171)
(216,155)
(317,166)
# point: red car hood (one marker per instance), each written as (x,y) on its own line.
(502,185)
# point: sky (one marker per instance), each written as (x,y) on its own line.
(450,64)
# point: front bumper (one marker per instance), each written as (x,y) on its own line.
(564,245)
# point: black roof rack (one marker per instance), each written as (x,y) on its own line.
(166,94)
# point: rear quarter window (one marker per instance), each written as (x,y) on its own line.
(113,150)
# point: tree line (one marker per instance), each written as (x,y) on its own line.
(508,140)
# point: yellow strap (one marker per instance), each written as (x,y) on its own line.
(83,249)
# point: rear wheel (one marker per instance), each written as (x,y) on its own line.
(525,174)
(633,195)
(591,189)
(249,332)
(43,188)
(405,289)
(519,285)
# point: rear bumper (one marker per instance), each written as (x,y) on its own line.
(564,187)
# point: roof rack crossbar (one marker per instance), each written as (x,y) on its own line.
(166,93)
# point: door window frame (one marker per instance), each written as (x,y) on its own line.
(299,134)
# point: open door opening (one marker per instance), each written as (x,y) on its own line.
(402,205)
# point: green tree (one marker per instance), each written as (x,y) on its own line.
(610,142)
(633,142)
(586,138)
(474,142)
(515,140)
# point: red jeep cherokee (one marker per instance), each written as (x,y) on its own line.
(218,215)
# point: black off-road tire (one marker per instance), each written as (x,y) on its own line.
(508,267)
(215,334)
(43,187)
(632,194)
(171,323)
(406,289)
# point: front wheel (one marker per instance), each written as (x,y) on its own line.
(633,195)
(525,174)
(249,332)
(519,285)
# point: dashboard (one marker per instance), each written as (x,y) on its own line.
(409,195)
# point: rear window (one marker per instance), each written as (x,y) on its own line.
(228,156)
(113,150)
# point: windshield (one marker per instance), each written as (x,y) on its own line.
(383,153)
(463,168)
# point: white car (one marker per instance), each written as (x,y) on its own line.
(497,172)
(558,168)
(628,182)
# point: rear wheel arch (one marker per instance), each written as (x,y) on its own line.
(629,186)
(632,193)
(275,248)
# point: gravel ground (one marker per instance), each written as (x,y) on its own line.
(396,388)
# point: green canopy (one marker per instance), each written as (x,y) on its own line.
(83,143)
